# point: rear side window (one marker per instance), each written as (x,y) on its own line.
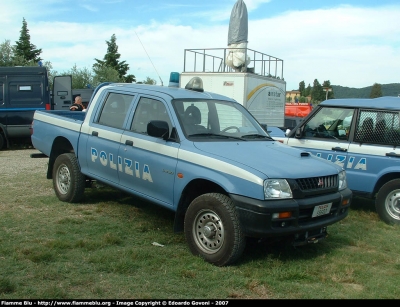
(114,110)
(378,127)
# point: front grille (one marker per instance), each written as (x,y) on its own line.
(313,186)
(318,183)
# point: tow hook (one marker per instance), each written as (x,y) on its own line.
(310,237)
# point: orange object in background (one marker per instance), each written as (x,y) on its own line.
(297,109)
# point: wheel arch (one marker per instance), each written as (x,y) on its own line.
(383,179)
(60,145)
(192,190)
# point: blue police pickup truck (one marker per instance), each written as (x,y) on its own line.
(199,154)
(363,137)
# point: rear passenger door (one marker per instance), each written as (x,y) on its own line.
(148,163)
(104,137)
(326,134)
(374,148)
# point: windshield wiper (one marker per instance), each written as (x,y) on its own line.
(216,135)
(256,136)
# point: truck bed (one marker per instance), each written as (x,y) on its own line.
(52,124)
(76,115)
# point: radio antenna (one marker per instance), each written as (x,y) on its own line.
(162,84)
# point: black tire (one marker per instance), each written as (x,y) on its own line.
(68,181)
(2,140)
(387,202)
(213,230)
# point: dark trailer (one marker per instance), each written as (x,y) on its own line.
(23,90)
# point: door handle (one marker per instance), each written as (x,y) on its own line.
(129,142)
(95,133)
(339,149)
(393,154)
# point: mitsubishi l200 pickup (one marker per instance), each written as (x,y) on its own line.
(199,154)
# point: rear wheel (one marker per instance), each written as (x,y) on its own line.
(68,181)
(1,140)
(387,202)
(213,230)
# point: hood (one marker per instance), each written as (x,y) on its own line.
(273,159)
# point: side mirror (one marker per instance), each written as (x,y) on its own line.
(299,133)
(158,129)
(264,126)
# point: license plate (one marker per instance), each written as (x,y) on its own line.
(321,210)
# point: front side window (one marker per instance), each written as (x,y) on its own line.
(115,109)
(149,109)
(330,123)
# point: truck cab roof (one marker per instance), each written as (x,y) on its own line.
(386,102)
(173,92)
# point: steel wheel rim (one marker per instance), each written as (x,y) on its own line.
(392,204)
(208,231)
(63,179)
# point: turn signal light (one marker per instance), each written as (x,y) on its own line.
(282,215)
(345,202)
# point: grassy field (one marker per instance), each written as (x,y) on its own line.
(103,248)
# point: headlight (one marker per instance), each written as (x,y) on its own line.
(277,188)
(342,180)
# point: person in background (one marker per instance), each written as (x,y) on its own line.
(77,105)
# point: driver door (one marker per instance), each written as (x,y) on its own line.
(326,134)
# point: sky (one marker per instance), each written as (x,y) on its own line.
(352,43)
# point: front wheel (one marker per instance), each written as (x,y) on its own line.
(213,230)
(68,181)
(387,202)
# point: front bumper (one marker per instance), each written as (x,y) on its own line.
(257,221)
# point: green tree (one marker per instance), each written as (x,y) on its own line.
(317,93)
(25,49)
(149,81)
(50,72)
(327,84)
(111,60)
(81,78)
(302,88)
(307,91)
(6,54)
(105,74)
(130,78)
(376,91)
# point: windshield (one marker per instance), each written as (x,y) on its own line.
(215,119)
